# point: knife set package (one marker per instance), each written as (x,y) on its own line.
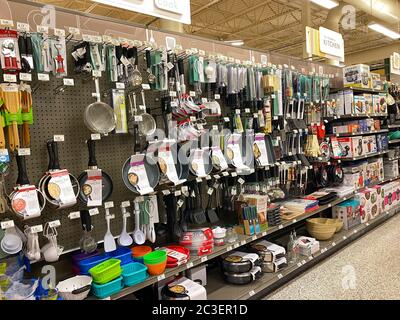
(9,51)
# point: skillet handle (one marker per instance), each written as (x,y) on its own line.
(135,56)
(181,67)
(148,59)
(92,153)
(50,151)
(86,220)
(22,172)
(56,158)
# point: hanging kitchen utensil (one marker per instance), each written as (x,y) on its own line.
(124,239)
(109,241)
(132,123)
(136,78)
(59,186)
(138,235)
(26,200)
(147,126)
(27,115)
(99,117)
(151,77)
(11,97)
(198,215)
(87,243)
(96,186)
(211,213)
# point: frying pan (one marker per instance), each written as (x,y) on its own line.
(153,174)
(107,184)
(52,148)
(207,160)
(99,117)
(23,180)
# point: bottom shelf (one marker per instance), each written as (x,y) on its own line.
(218,289)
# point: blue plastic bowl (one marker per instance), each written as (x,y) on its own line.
(134,273)
(87,264)
(123,254)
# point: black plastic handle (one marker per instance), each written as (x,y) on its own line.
(22,45)
(50,151)
(171,73)
(56,158)
(135,56)
(29,48)
(148,59)
(92,153)
(181,67)
(86,220)
(22,172)
(81,290)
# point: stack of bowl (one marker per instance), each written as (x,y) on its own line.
(156,262)
(323,229)
(139,252)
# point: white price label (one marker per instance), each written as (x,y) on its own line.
(234,174)
(54,224)
(43,29)
(303,262)
(193,119)
(94,212)
(24,152)
(252,293)
(146,86)
(247,110)
(243,243)
(236,245)
(25,77)
(138,118)
(192,94)
(280,227)
(238,111)
(7,224)
(160,278)
(214,127)
(226,119)
(198,180)
(310,258)
(229,248)
(59,138)
(69,82)
(166,192)
(125,204)
(333,244)
(107,39)
(172,94)
(6,23)
(74,31)
(299,264)
(10,78)
(97,39)
(96,73)
(210,191)
(189,265)
(208,178)
(254,238)
(178,193)
(217,97)
(120,85)
(37,229)
(109,205)
(241,181)
(204,100)
(204,259)
(74,215)
(264,234)
(22,27)
(95,136)
(225,174)
(217,177)
(43,77)
(180,203)
(344,237)
(59,32)
(280,276)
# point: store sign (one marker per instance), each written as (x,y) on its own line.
(175,10)
(331,43)
(395,63)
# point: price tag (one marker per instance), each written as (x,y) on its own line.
(125,204)
(238,111)
(189,265)
(37,229)
(172,94)
(299,265)
(241,181)
(6,23)
(210,191)
(160,278)
(24,152)
(178,193)
(217,177)
(22,27)
(174,104)
(54,224)
(294,221)
(25,77)
(166,192)
(97,39)
(344,237)
(96,73)
(43,77)
(204,100)
(59,32)
(229,248)
(254,238)
(109,205)
(236,245)
(146,86)
(198,180)
(280,227)
(94,212)
(252,293)
(138,118)
(226,119)
(280,276)
(264,234)
(225,174)
(43,29)
(192,94)
(243,243)
(355,231)
(74,31)
(303,262)
(69,82)
(247,110)
(107,39)
(204,259)
(95,136)
(333,244)
(120,85)
(208,178)
(10,78)
(234,174)
(214,127)
(217,97)
(310,258)
(59,138)
(180,203)
(7,224)
(74,215)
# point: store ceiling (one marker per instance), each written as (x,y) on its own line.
(270,25)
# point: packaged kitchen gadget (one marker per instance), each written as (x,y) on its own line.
(184,289)
(268,251)
(200,242)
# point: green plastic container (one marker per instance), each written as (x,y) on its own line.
(155,257)
(106,271)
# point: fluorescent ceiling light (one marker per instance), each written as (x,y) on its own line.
(387,32)
(328,4)
(236,43)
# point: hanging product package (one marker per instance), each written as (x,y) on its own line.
(233,152)
(58,53)
(260,150)
(167,163)
(119,105)
(93,188)
(60,188)
(111,63)
(9,51)
(26,51)
(137,175)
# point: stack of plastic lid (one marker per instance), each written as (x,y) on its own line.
(199,242)
(176,256)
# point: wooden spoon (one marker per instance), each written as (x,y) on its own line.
(12,102)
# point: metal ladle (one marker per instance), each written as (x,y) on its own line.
(137,78)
